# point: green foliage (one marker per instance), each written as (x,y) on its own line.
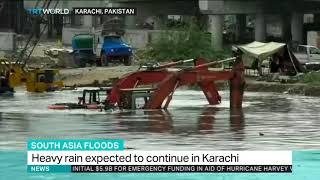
(186,42)
(312,78)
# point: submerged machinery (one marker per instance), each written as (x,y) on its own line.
(36,80)
(153,87)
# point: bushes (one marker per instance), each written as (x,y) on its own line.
(312,78)
(185,42)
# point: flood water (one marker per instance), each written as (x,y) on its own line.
(268,121)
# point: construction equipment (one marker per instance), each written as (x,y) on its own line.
(37,80)
(163,83)
(156,85)
(90,99)
(41,80)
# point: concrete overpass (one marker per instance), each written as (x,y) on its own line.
(287,14)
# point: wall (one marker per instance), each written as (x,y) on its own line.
(229,7)
(69,32)
(67,4)
(313,38)
(274,25)
(140,38)
(7,41)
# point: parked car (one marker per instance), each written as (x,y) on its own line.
(309,56)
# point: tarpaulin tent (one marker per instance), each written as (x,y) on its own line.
(262,51)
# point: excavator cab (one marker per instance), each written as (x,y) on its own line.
(90,97)
(135,98)
(42,80)
(5,88)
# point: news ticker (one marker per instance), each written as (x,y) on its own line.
(94,156)
(83,11)
(162,169)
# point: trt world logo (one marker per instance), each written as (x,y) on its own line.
(39,11)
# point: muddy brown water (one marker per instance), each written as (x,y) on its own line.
(267,121)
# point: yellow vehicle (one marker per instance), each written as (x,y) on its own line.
(36,80)
(42,80)
(13,71)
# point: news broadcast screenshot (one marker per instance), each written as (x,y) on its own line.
(160,89)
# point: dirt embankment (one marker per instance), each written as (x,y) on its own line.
(104,76)
(94,76)
(253,85)
(287,88)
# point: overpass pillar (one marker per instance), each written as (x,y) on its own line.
(260,27)
(215,27)
(241,26)
(297,27)
(316,18)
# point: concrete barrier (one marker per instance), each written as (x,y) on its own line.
(7,41)
(140,38)
(137,39)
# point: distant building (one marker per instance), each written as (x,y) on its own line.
(66,26)
(11,22)
(11,15)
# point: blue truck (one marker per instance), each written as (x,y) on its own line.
(102,47)
(113,49)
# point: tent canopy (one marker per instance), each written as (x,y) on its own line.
(261,50)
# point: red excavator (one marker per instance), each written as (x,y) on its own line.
(154,87)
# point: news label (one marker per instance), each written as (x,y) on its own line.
(83,11)
(110,156)
(182,168)
(104,11)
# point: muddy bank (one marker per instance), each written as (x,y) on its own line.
(94,76)
(105,76)
(262,86)
(296,88)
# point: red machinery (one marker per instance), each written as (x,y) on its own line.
(163,84)
(156,85)
(162,121)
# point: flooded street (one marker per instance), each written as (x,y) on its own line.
(268,121)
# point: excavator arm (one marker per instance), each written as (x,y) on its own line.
(166,82)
